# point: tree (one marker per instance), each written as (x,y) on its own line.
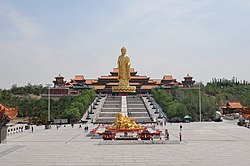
(162,98)
(180,102)
(72,114)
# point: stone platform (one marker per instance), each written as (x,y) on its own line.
(205,143)
(124,89)
(137,142)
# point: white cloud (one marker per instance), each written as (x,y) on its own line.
(162,37)
(22,24)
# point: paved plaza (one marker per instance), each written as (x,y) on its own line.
(205,143)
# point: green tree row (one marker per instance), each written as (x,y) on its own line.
(229,90)
(182,102)
(79,106)
(179,102)
(169,105)
(36,107)
(28,89)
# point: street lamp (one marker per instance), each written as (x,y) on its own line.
(48,86)
(200,100)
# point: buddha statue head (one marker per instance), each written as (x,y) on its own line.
(123,50)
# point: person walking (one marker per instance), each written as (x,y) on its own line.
(180,127)
(166,134)
(32,129)
(180,136)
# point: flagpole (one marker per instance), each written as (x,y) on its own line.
(200,100)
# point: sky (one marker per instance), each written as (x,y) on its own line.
(40,39)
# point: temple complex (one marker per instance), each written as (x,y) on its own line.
(104,84)
(122,80)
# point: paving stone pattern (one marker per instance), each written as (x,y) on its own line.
(205,143)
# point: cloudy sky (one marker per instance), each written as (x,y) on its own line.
(40,39)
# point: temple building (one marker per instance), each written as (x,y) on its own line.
(188,81)
(59,82)
(246,114)
(104,84)
(232,107)
(168,82)
(64,88)
(77,81)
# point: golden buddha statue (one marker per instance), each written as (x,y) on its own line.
(124,73)
(124,122)
(118,120)
(124,68)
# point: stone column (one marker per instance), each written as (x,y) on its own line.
(3,135)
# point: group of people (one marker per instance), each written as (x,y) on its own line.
(86,128)
(167,134)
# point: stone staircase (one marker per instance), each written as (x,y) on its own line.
(137,109)
(111,107)
(132,106)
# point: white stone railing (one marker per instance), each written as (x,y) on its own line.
(149,108)
(18,128)
(98,110)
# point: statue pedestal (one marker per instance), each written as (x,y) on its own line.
(124,89)
(3,135)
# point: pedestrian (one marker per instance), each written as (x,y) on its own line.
(32,129)
(72,125)
(57,126)
(180,137)
(180,127)
(166,134)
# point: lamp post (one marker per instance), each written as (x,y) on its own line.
(48,86)
(200,100)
